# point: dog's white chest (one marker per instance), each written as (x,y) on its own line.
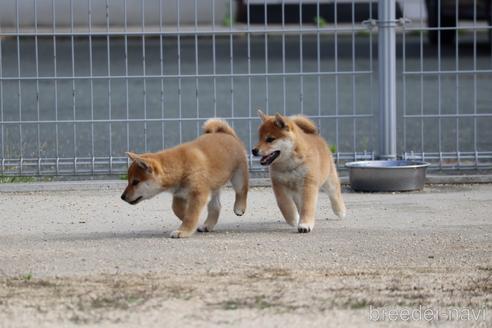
(294,179)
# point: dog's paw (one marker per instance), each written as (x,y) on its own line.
(342,214)
(203,228)
(304,227)
(179,234)
(292,221)
(239,211)
(239,207)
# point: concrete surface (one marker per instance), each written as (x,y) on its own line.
(74,258)
(107,184)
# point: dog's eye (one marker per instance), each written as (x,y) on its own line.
(270,139)
(135,182)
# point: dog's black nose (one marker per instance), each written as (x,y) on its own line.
(255,151)
(123,196)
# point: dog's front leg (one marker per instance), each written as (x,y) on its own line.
(308,207)
(285,204)
(179,207)
(196,202)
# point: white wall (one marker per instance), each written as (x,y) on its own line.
(414,8)
(116,12)
(134,11)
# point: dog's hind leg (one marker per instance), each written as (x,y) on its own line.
(196,202)
(332,187)
(240,184)
(213,209)
(286,204)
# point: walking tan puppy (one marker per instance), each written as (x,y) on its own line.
(300,164)
(193,172)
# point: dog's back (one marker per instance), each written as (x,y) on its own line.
(223,150)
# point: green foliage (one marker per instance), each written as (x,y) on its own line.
(27,276)
(320,21)
(15,179)
(364,34)
(228,20)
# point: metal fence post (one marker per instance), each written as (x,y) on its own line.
(387,78)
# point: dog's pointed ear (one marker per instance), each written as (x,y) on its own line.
(262,115)
(132,156)
(142,163)
(280,121)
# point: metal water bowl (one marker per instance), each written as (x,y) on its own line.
(388,175)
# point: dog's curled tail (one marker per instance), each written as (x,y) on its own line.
(216,125)
(305,124)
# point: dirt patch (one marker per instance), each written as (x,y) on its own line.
(112,299)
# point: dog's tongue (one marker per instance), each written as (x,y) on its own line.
(265,160)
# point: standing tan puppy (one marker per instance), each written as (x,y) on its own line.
(193,172)
(300,164)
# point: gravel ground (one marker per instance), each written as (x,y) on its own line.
(87,258)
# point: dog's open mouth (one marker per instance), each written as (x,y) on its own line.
(268,159)
(133,202)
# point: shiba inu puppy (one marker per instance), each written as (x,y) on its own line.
(193,172)
(301,164)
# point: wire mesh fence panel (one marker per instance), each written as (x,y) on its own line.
(445,95)
(82,82)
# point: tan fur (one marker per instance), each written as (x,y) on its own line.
(303,167)
(305,124)
(216,125)
(193,172)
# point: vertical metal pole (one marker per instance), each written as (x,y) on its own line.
(74,108)
(36,54)
(110,102)
(387,79)
(127,97)
(284,89)
(19,84)
(197,71)
(250,102)
(267,91)
(91,74)
(55,81)
(2,129)
(337,90)
(301,61)
(144,71)
(161,61)
(214,60)
(318,65)
(180,110)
